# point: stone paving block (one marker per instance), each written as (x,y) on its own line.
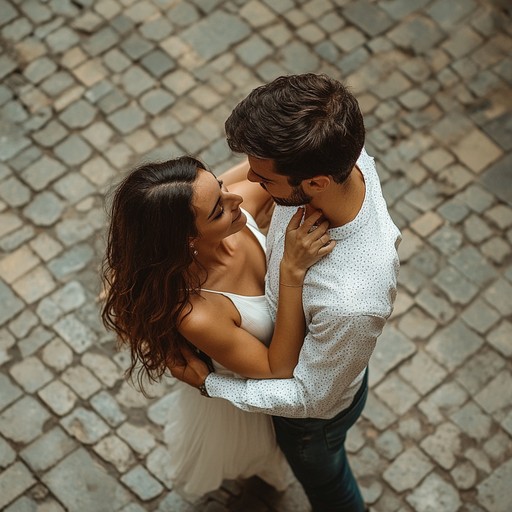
(367,462)
(48,449)
(78,336)
(78,115)
(156,101)
(31,374)
(140,481)
(13,192)
(392,348)
(416,324)
(480,316)
(208,37)
(13,482)
(58,397)
(115,451)
(253,50)
(81,380)
(73,151)
(14,240)
(494,491)
(389,444)
(127,119)
(422,372)
(39,69)
(157,63)
(479,370)
(476,229)
(473,265)
(103,367)
(499,295)
(455,286)
(37,338)
(501,338)
(257,14)
(447,239)
(497,180)
(454,344)
(434,493)
(397,394)
(477,151)
(139,438)
(57,354)
(368,17)
(23,323)
(8,223)
(105,405)
(378,413)
(446,399)
(464,475)
(45,209)
(23,421)
(43,172)
(158,463)
(10,392)
(81,485)
(17,263)
(7,454)
(86,426)
(496,250)
(472,421)
(444,445)
(497,394)
(407,470)
(497,446)
(34,285)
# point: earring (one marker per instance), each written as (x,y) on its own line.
(194,250)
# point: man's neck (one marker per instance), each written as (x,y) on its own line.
(341,203)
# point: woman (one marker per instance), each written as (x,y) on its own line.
(185,267)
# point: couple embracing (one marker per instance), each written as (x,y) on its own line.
(272,334)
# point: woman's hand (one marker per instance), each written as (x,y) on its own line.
(305,244)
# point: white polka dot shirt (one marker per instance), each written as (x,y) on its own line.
(347,297)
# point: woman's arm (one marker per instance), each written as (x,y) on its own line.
(235,348)
(235,174)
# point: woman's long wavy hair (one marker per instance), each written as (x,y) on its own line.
(146,273)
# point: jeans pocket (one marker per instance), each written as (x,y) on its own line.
(334,434)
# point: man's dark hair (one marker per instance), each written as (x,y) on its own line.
(307,124)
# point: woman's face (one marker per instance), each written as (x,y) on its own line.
(218,213)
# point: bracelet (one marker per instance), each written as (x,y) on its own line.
(203,390)
(291,285)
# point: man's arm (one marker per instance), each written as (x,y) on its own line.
(329,363)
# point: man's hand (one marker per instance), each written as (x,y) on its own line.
(193,371)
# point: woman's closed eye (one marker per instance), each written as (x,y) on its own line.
(221,212)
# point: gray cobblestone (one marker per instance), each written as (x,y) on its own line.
(48,449)
(139,439)
(31,374)
(86,426)
(105,405)
(455,285)
(140,481)
(397,394)
(10,392)
(23,421)
(434,492)
(80,485)
(58,397)
(7,454)
(115,451)
(13,482)
(407,470)
(43,172)
(472,421)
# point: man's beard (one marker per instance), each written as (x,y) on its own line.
(297,198)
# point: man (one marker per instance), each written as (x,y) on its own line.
(304,136)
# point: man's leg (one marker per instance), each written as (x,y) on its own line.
(315,450)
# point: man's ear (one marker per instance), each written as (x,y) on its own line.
(316,184)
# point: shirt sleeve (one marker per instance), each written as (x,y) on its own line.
(336,350)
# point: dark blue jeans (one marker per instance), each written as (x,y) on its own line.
(315,450)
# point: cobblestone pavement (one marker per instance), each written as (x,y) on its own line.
(88,88)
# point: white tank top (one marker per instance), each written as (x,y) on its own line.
(253,309)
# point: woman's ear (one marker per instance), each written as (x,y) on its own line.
(316,184)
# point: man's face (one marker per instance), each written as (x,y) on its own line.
(262,171)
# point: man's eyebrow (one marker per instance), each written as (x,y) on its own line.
(260,176)
(214,208)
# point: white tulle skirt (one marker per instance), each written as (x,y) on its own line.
(210,440)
